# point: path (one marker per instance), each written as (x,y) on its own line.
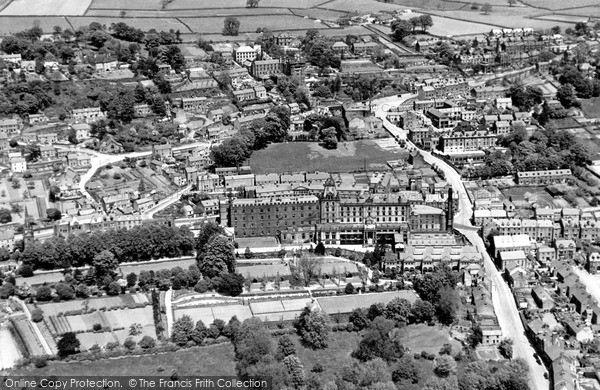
(502,298)
(169,310)
(10,352)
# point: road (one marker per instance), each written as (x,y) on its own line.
(502,298)
(98,160)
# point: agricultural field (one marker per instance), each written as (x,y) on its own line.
(584,12)
(251,23)
(14,24)
(164,24)
(317,13)
(211,360)
(207,4)
(559,4)
(46,7)
(309,156)
(359,6)
(125,5)
(177,13)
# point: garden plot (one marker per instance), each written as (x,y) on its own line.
(122,335)
(89,339)
(46,7)
(209,314)
(126,318)
(94,303)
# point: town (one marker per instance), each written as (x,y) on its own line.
(371,204)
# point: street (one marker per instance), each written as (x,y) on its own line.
(504,303)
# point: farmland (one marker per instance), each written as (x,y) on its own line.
(250,23)
(201,4)
(46,7)
(129,4)
(307,156)
(142,23)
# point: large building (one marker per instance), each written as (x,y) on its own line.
(285,218)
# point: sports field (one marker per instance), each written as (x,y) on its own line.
(309,156)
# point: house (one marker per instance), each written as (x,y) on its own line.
(542,298)
(47,138)
(143,204)
(110,145)
(340,47)
(208,182)
(4,142)
(512,258)
(7,239)
(162,152)
(556,176)
(593,263)
(87,115)
(18,164)
(47,152)
(10,125)
(82,130)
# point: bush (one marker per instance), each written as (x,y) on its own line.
(129,343)
(350,327)
(97,327)
(317,368)
(147,342)
(112,345)
(201,287)
(37,315)
(26,271)
(40,361)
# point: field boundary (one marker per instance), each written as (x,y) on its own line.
(185,24)
(2,7)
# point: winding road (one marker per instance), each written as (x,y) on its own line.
(502,298)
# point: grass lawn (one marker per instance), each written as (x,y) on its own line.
(420,337)
(332,358)
(591,107)
(212,360)
(309,156)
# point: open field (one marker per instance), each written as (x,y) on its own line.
(211,360)
(591,107)
(309,156)
(317,13)
(189,13)
(155,266)
(14,24)
(559,4)
(205,4)
(584,12)
(251,23)
(164,24)
(268,269)
(125,4)
(359,6)
(562,18)
(421,337)
(46,7)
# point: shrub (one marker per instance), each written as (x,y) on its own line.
(317,368)
(112,345)
(147,342)
(350,327)
(26,271)
(37,315)
(201,286)
(97,327)
(40,361)
(129,343)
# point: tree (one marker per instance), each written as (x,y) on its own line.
(313,327)
(380,340)
(135,329)
(330,140)
(231,26)
(422,311)
(5,216)
(407,369)
(43,293)
(476,337)
(26,270)
(399,311)
(447,305)
(104,264)
(487,8)
(295,370)
(114,288)
(401,29)
(444,366)
(129,344)
(182,330)
(305,269)
(37,315)
(285,347)
(320,249)
(131,279)
(231,284)
(219,258)
(68,344)
(64,291)
(248,253)
(147,342)
(506,348)
(358,318)
(566,96)
(349,289)
(512,2)
(7,290)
